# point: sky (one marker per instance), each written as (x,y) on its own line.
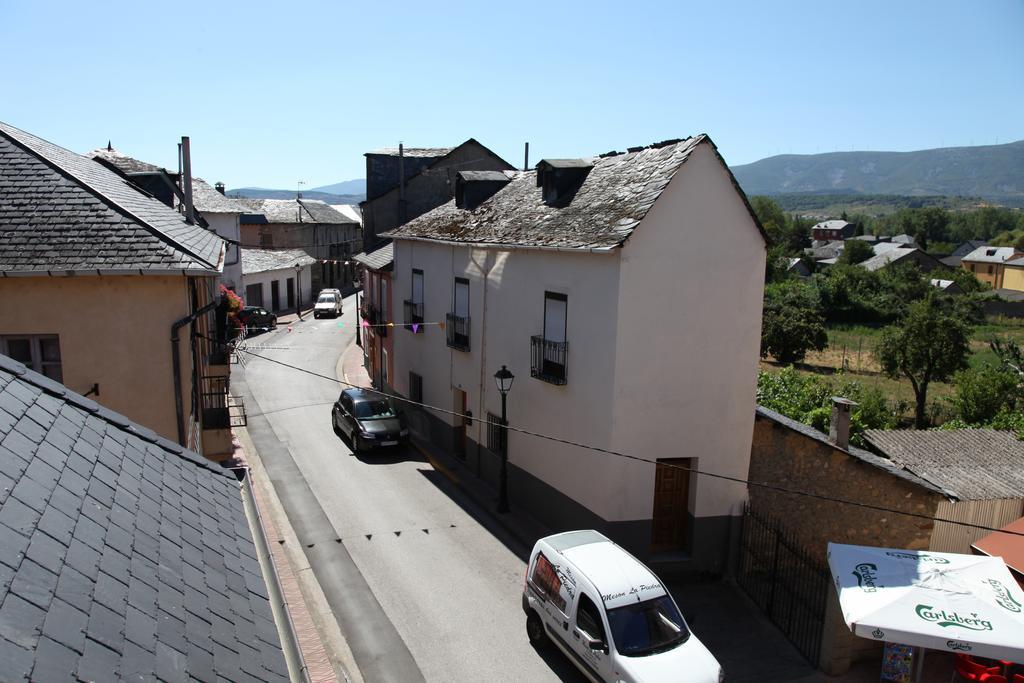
(274,94)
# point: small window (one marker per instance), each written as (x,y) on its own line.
(546,579)
(588,618)
(555,306)
(37,352)
(415,387)
(417,286)
(990,270)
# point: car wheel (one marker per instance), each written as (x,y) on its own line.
(357,444)
(273,323)
(535,630)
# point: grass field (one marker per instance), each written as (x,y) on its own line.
(850,350)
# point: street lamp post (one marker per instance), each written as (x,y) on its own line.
(298,289)
(504,379)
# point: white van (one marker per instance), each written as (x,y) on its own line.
(609,613)
(328,303)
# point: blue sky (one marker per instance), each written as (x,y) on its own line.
(275,93)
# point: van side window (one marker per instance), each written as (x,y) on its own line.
(588,618)
(546,579)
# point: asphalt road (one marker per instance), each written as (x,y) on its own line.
(419,585)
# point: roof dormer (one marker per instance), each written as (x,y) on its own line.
(473,188)
(560,178)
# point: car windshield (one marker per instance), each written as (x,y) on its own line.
(326,299)
(647,627)
(374,410)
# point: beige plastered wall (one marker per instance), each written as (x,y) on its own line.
(1013,278)
(114,331)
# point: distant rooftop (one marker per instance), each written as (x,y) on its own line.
(411,151)
(262,260)
(988,254)
(378,259)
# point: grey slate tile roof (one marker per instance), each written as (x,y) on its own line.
(60,211)
(261,260)
(988,254)
(206,199)
(412,151)
(868,457)
(289,210)
(973,464)
(122,555)
(124,162)
(614,197)
(881,260)
(378,259)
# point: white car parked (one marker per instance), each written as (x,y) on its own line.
(328,303)
(609,613)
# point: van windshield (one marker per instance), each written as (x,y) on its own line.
(326,299)
(647,628)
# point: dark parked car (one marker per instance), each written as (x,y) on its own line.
(368,419)
(256,318)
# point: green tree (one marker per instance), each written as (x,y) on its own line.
(985,392)
(772,217)
(791,324)
(855,251)
(930,345)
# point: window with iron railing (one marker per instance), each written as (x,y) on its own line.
(549,351)
(413,315)
(214,402)
(457,329)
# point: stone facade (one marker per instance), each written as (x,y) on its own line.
(800,458)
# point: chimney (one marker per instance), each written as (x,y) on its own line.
(186,181)
(401,183)
(839,429)
(526,157)
(220,187)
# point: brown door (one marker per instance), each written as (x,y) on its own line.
(671,496)
(460,407)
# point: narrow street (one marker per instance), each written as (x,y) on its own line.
(419,587)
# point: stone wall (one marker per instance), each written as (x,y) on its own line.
(791,458)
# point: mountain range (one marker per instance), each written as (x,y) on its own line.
(267,193)
(993,172)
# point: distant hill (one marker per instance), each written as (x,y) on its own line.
(357,186)
(994,172)
(265,193)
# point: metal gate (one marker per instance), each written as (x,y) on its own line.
(787,583)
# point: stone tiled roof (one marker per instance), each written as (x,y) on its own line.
(881,260)
(261,260)
(379,259)
(614,197)
(973,464)
(123,162)
(859,453)
(60,211)
(122,555)
(206,199)
(412,151)
(289,210)
(350,211)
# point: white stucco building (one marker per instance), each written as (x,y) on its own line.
(624,292)
(223,216)
(277,279)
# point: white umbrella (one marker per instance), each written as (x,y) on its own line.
(942,601)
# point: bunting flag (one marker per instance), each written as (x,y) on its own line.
(415,327)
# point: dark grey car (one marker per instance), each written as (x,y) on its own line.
(368,419)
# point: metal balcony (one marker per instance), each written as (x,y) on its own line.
(414,315)
(548,359)
(457,331)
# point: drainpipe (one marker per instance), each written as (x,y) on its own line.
(176,367)
(278,605)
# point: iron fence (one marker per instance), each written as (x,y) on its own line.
(457,331)
(548,359)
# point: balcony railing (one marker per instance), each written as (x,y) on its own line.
(370,313)
(548,359)
(214,402)
(414,315)
(457,329)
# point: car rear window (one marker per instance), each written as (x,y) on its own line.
(547,580)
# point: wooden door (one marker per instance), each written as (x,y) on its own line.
(671,500)
(459,406)
(275,295)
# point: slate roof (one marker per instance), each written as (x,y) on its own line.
(378,259)
(122,555)
(833,224)
(411,151)
(991,254)
(123,162)
(486,176)
(262,260)
(859,453)
(60,211)
(206,199)
(288,211)
(973,464)
(350,211)
(881,260)
(615,196)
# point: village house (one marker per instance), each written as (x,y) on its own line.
(889,253)
(403,183)
(375,311)
(111,292)
(988,264)
(224,217)
(963,249)
(125,556)
(327,235)
(1013,274)
(972,475)
(277,279)
(835,229)
(623,293)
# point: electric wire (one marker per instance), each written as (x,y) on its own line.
(629,456)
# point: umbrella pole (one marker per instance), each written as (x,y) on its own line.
(918,663)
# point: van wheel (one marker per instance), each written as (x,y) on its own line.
(535,631)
